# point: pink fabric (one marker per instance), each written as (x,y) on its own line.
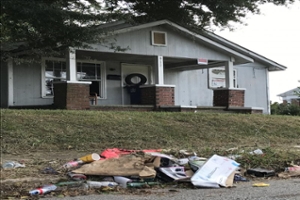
(115,152)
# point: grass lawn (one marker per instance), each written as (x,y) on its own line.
(44,138)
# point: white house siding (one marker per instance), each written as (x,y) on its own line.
(4,85)
(253,77)
(178,45)
(191,87)
(27,85)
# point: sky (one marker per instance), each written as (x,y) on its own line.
(274,34)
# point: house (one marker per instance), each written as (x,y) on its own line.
(290,97)
(164,64)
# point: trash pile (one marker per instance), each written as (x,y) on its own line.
(145,168)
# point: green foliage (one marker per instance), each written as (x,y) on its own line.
(285,109)
(43,27)
(297,92)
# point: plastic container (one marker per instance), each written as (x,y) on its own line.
(90,158)
(72,164)
(140,184)
(11,165)
(77,177)
(43,190)
(98,184)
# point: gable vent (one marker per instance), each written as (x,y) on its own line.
(159,38)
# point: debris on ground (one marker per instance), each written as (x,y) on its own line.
(260,185)
(115,169)
(260,172)
(12,165)
(292,171)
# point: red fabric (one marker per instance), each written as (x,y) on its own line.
(115,152)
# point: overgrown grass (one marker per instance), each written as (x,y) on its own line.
(205,133)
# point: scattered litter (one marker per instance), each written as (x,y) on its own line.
(116,153)
(170,174)
(260,185)
(127,165)
(12,165)
(238,177)
(146,168)
(260,172)
(257,152)
(69,183)
(98,184)
(187,153)
(196,162)
(49,170)
(76,177)
(90,158)
(122,181)
(290,172)
(141,184)
(43,190)
(216,171)
(72,164)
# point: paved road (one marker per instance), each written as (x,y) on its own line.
(278,190)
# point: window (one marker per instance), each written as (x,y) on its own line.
(54,71)
(217,78)
(159,38)
(94,72)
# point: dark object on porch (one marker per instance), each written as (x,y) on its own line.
(135,94)
(135,79)
(133,82)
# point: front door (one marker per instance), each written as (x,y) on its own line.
(128,70)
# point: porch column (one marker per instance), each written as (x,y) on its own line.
(71,64)
(229,74)
(229,96)
(72,94)
(159,70)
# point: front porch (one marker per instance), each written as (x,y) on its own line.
(159,86)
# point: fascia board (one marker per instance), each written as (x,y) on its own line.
(256,56)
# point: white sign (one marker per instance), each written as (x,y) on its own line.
(202,61)
(217,77)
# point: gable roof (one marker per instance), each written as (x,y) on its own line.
(289,93)
(244,55)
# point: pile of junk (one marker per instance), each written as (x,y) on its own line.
(122,168)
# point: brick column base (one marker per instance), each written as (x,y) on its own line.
(229,97)
(72,96)
(157,95)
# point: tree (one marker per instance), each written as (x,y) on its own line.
(43,26)
(298,92)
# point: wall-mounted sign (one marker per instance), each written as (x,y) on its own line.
(202,61)
(217,77)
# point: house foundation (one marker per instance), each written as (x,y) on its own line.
(72,95)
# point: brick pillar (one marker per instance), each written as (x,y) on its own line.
(229,97)
(157,95)
(72,96)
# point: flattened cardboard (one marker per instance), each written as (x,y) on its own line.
(127,165)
